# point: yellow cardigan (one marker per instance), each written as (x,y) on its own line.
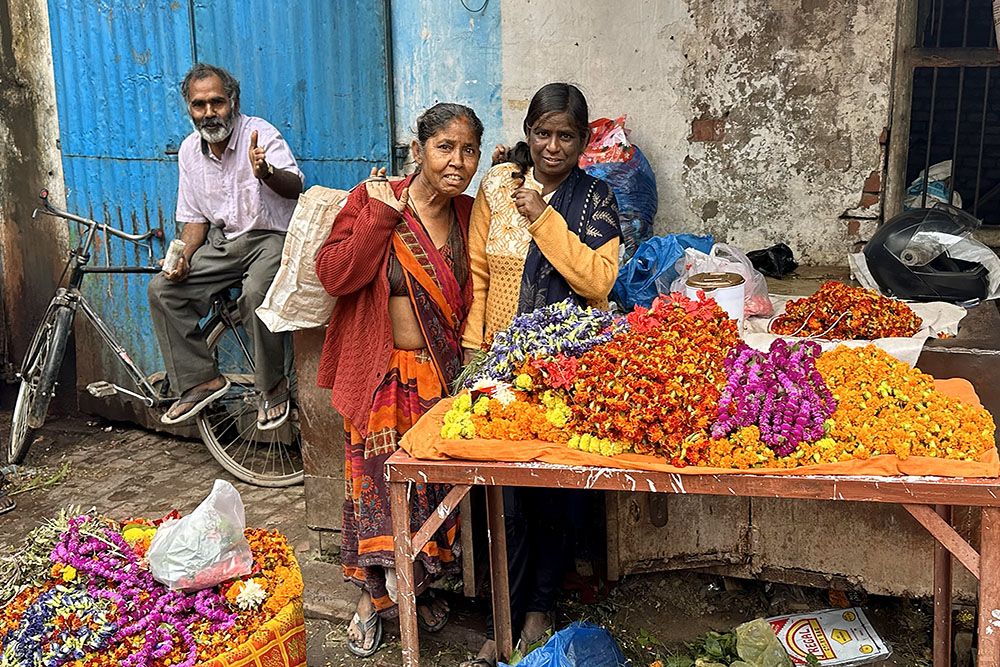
(499,239)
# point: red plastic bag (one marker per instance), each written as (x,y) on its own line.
(608,142)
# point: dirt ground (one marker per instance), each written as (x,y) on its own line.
(124,472)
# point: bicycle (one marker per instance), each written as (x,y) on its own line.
(228,426)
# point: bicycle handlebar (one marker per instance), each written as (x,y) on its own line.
(49,209)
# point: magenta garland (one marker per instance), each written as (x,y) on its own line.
(144,606)
(779,391)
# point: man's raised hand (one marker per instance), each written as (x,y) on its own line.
(258,159)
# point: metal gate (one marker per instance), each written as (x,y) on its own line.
(316,69)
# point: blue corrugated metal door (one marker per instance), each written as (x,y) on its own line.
(316,69)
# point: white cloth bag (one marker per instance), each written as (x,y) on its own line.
(296,299)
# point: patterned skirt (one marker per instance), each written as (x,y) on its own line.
(408,390)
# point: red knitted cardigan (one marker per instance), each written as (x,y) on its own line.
(352,266)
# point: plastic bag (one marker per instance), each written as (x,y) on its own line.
(654,259)
(576,645)
(774,262)
(296,299)
(757,646)
(204,548)
(725,258)
(610,157)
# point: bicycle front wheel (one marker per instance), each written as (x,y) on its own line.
(38,379)
(229,425)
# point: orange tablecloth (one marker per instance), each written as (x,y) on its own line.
(424,441)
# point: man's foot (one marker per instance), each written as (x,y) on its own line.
(6,503)
(275,404)
(195,399)
(487,656)
(364,634)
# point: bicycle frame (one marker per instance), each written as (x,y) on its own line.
(72,297)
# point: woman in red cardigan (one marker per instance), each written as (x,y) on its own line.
(397,261)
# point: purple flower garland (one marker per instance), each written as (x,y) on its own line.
(144,605)
(780,391)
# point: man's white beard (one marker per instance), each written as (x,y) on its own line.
(214,135)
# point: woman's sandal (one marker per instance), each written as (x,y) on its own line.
(373,621)
(429,598)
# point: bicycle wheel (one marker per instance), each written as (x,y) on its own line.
(229,425)
(38,380)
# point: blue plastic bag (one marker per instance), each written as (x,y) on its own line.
(655,258)
(576,645)
(634,185)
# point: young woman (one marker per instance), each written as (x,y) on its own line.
(542,231)
(397,261)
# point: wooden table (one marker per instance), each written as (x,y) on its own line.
(928,499)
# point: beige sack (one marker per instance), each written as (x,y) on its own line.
(296,299)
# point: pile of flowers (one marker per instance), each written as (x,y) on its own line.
(92,602)
(675,381)
(842,312)
(886,407)
(654,385)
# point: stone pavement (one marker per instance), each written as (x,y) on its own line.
(124,471)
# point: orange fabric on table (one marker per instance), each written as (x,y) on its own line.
(424,441)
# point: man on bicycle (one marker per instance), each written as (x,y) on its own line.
(238,187)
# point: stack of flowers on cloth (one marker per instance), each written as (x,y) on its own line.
(79,592)
(674,388)
(837,311)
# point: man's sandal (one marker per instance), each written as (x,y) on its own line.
(373,621)
(198,400)
(284,398)
(479,662)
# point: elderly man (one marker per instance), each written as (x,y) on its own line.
(237,190)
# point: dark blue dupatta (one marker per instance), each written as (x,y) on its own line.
(590,210)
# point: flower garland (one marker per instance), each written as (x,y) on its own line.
(842,312)
(779,391)
(145,608)
(100,606)
(886,407)
(658,383)
(560,328)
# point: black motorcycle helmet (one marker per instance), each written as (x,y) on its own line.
(917,256)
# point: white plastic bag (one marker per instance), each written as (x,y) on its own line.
(725,258)
(296,299)
(204,548)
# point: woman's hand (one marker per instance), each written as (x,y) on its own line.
(529,203)
(378,188)
(467,356)
(500,153)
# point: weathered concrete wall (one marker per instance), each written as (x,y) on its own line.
(31,251)
(761,118)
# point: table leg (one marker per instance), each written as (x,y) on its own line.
(989,589)
(406,597)
(942,597)
(498,571)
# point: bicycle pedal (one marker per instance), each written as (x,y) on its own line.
(102,389)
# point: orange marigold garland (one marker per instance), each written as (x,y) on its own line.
(658,383)
(886,407)
(842,312)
